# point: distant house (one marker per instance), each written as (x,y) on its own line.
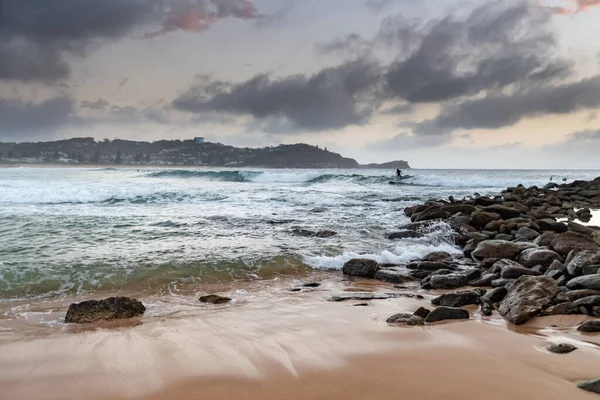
(199,139)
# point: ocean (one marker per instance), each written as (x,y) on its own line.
(91,232)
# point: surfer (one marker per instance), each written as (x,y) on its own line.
(398,173)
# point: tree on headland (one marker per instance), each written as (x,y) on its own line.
(118,157)
(148,157)
(96,156)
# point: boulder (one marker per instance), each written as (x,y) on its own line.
(480,219)
(214,299)
(450,281)
(361,267)
(495,295)
(503,211)
(561,348)
(573,295)
(444,313)
(484,201)
(404,235)
(422,312)
(438,256)
(505,283)
(582,259)
(588,303)
(503,236)
(458,299)
(589,327)
(585,282)
(538,256)
(547,224)
(428,265)
(471,273)
(430,213)
(545,239)
(107,309)
(361,296)
(513,272)
(527,297)
(459,208)
(591,386)
(393,275)
(405,319)
(496,249)
(566,308)
(486,308)
(485,280)
(565,242)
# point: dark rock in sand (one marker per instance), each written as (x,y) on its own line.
(393,275)
(589,327)
(480,219)
(541,256)
(450,281)
(107,309)
(496,249)
(444,313)
(585,282)
(485,280)
(529,296)
(422,312)
(325,234)
(591,386)
(361,267)
(573,295)
(361,296)
(512,272)
(404,235)
(214,299)
(561,309)
(459,299)
(561,348)
(565,242)
(311,285)
(486,308)
(588,303)
(405,319)
(547,224)
(495,295)
(581,260)
(503,211)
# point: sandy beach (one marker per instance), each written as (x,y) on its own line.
(273,343)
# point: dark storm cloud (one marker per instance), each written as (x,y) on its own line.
(20,119)
(331,98)
(405,141)
(99,104)
(37,35)
(498,111)
(351,45)
(494,47)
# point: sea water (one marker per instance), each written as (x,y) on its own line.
(83,231)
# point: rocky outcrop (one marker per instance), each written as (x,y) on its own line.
(528,297)
(361,267)
(107,309)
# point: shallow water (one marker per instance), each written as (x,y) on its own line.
(78,231)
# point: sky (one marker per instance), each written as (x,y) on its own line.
(439,83)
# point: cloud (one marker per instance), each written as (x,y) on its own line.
(352,45)
(379,5)
(494,47)
(38,36)
(577,7)
(20,119)
(406,141)
(99,104)
(332,98)
(499,111)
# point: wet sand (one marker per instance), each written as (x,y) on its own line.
(272,344)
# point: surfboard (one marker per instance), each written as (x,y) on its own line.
(398,180)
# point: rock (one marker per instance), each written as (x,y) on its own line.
(438,256)
(404,235)
(361,267)
(472,273)
(503,236)
(361,296)
(557,266)
(533,257)
(428,265)
(573,295)
(480,219)
(450,281)
(591,386)
(562,309)
(393,275)
(303,232)
(545,239)
(485,280)
(458,299)
(548,224)
(504,212)
(506,283)
(432,212)
(565,242)
(486,308)
(495,295)
(588,303)
(582,259)
(589,327)
(527,298)
(525,245)
(405,319)
(584,230)
(311,285)
(551,185)
(361,305)
(512,272)
(214,299)
(107,309)
(319,210)
(484,201)
(496,249)
(561,348)
(459,208)
(444,313)
(422,312)
(325,233)
(585,282)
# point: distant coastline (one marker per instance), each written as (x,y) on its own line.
(175,153)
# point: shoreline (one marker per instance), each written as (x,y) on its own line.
(272,342)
